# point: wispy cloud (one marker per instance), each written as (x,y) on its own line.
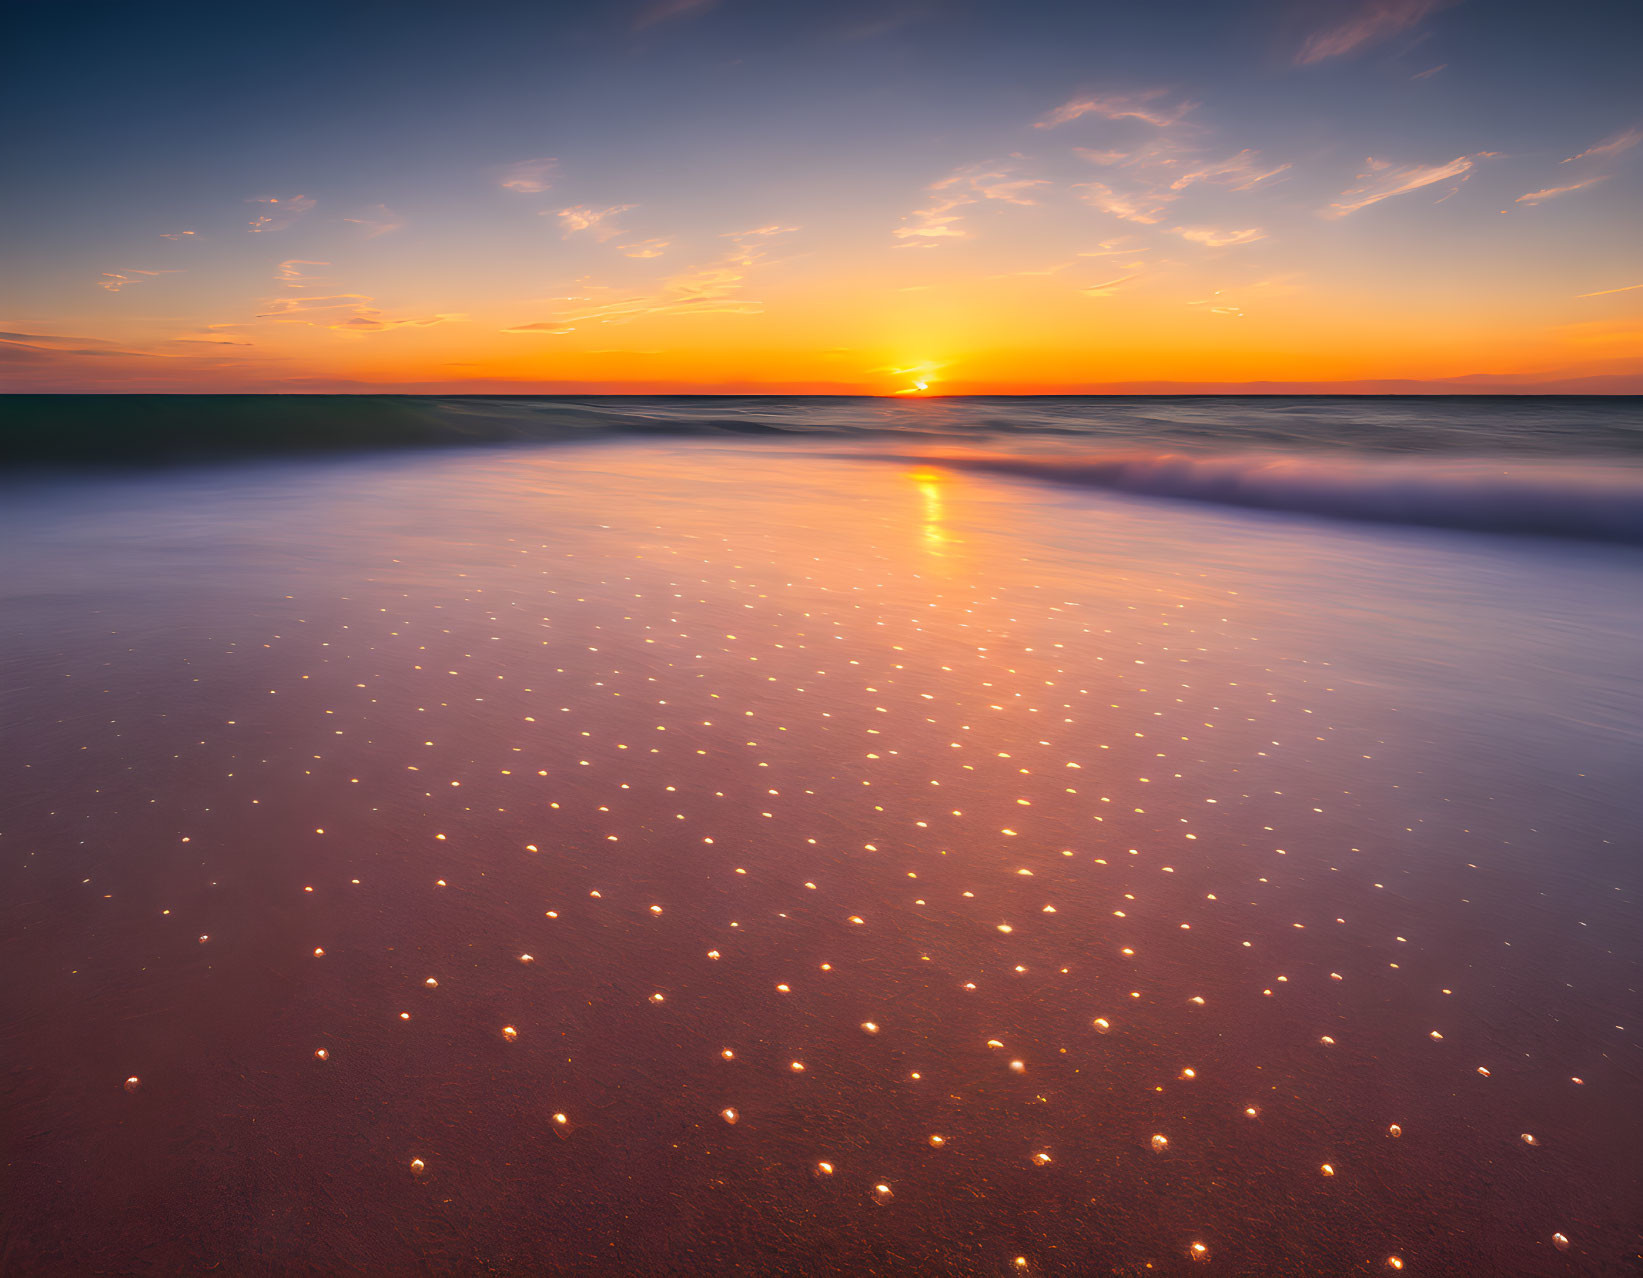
(965,186)
(1239,172)
(644,248)
(1429,72)
(65,345)
(529,177)
(1622,141)
(1146,208)
(1381,180)
(1370,23)
(114,281)
(1605,292)
(1214,237)
(377,220)
(713,288)
(667,10)
(282,307)
(1217,305)
(291,274)
(1119,106)
(1123,245)
(1144,181)
(178,235)
(584,217)
(344,312)
(369,320)
(282,211)
(893,19)
(1552,192)
(1108,286)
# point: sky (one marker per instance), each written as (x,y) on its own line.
(904,197)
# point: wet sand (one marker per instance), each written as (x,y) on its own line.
(1044,882)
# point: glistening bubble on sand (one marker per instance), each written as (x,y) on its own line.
(685,858)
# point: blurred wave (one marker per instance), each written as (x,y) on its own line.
(1553,500)
(1569,466)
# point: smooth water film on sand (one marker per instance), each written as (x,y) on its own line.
(712,857)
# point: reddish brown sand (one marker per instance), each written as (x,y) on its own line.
(1093,887)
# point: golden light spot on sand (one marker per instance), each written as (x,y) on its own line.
(1327,1170)
(318,953)
(1160,1144)
(1394,1131)
(1560,1241)
(870,1026)
(320,1054)
(1102,1024)
(1018,1067)
(657,998)
(1394,1262)
(796,1066)
(824,1169)
(418,1167)
(882,1194)
(527,958)
(937,1142)
(404,1016)
(509,1033)
(1252,1112)
(1042,1159)
(729,1115)
(1529,1140)
(1198,1251)
(133,1083)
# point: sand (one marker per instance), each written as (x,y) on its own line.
(1046,882)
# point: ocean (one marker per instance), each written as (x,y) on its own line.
(1061,836)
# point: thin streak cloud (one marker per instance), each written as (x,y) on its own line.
(529,177)
(1605,292)
(1623,141)
(1118,106)
(377,220)
(1552,192)
(1372,23)
(114,281)
(1381,180)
